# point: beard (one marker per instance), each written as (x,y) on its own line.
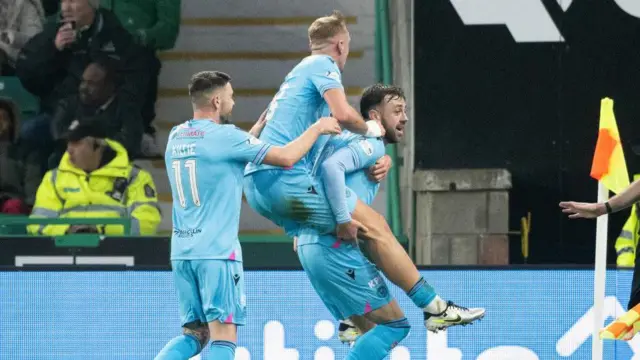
(225,119)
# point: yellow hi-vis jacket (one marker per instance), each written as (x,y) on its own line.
(116,190)
(628,238)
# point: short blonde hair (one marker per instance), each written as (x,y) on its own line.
(326,27)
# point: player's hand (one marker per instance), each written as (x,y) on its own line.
(349,231)
(328,125)
(257,128)
(65,36)
(295,244)
(578,210)
(380,169)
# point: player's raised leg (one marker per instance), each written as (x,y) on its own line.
(396,264)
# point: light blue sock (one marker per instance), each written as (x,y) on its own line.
(378,342)
(180,347)
(422,293)
(222,350)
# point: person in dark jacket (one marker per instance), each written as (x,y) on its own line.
(155,25)
(99,100)
(51,64)
(20,173)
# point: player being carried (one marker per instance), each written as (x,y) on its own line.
(205,160)
(350,286)
(294,196)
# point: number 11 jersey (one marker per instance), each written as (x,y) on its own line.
(205,163)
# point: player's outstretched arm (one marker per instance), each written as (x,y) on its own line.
(291,153)
(334,171)
(625,199)
(349,117)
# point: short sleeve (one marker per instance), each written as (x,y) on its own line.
(326,75)
(245,147)
(366,151)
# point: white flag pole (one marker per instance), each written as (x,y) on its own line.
(600,274)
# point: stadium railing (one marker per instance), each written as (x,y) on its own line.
(15,226)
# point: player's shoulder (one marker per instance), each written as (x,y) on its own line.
(368,145)
(230,133)
(320,62)
(232,129)
(190,130)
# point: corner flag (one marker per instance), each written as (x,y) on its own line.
(609,166)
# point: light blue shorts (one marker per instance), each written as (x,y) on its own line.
(210,290)
(345,280)
(292,199)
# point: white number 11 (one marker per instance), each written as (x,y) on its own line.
(177,172)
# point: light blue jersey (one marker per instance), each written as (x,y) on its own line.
(349,155)
(343,170)
(205,163)
(298,104)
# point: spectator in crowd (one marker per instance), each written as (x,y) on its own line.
(96,179)
(19,174)
(51,64)
(98,100)
(155,25)
(51,7)
(20,20)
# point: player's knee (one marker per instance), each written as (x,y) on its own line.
(199,331)
(405,332)
(223,331)
(397,332)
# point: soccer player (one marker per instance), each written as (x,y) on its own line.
(350,286)
(293,197)
(205,161)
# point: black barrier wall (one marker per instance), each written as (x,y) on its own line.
(492,96)
(128,252)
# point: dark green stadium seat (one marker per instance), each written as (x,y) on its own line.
(11,88)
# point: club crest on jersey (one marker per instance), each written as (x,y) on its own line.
(366,147)
(333,75)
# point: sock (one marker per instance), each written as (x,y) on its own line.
(378,342)
(423,295)
(181,347)
(222,350)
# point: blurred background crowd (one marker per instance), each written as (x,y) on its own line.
(90,62)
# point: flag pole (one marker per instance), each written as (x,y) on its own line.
(600,274)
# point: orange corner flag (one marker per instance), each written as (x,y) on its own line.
(609,165)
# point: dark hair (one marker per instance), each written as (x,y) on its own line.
(9,106)
(206,81)
(110,68)
(375,94)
